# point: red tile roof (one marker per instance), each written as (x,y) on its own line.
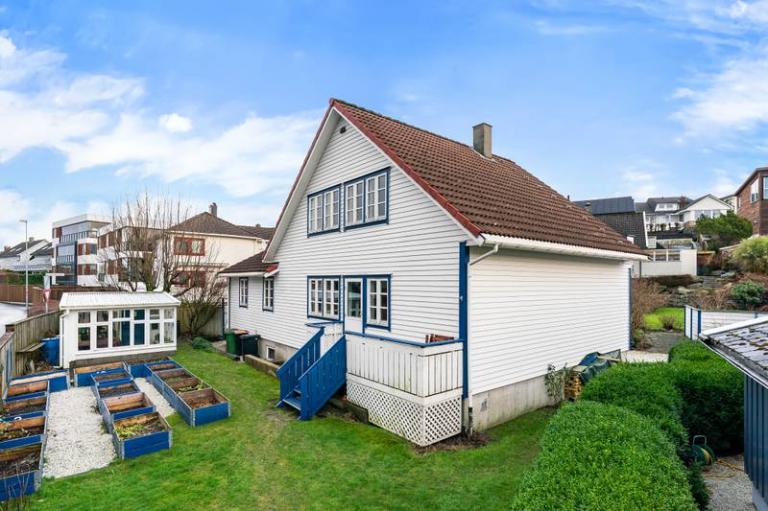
(206,223)
(486,195)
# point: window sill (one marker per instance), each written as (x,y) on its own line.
(264,309)
(386,326)
(320,233)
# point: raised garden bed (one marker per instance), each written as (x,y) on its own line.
(114,388)
(26,390)
(161,380)
(143,369)
(59,379)
(187,384)
(200,407)
(22,408)
(112,376)
(23,432)
(124,406)
(21,471)
(84,375)
(141,434)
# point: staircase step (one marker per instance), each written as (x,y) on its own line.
(293,402)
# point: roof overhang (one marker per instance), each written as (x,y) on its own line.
(745,366)
(241,274)
(558,248)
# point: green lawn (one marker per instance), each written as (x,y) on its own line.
(653,320)
(262,458)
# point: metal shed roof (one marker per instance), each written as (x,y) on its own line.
(96,300)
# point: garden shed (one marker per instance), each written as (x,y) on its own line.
(106,326)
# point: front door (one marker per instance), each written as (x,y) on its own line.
(353,310)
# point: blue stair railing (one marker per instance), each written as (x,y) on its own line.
(323,379)
(290,372)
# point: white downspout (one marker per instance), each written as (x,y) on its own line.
(494,250)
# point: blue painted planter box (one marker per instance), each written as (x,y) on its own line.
(21,471)
(115,376)
(59,379)
(143,444)
(199,407)
(123,407)
(142,370)
(34,430)
(114,388)
(23,408)
(26,390)
(84,375)
(158,379)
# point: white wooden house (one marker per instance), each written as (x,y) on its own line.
(106,326)
(435,279)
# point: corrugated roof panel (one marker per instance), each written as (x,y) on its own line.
(91,300)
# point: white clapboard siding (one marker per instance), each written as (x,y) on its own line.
(423,371)
(419,247)
(529,310)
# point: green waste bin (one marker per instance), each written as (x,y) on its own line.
(249,344)
(231,336)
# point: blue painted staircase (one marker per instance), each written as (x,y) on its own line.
(308,380)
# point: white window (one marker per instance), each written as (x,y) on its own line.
(354,197)
(765,187)
(331,209)
(376,198)
(324,297)
(270,353)
(243,291)
(324,211)
(315,219)
(378,302)
(754,192)
(316,297)
(269,295)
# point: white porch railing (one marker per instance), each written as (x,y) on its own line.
(333,330)
(411,389)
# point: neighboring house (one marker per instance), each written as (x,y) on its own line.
(609,206)
(662,213)
(75,250)
(705,206)
(732,201)
(752,200)
(11,256)
(743,345)
(437,280)
(205,241)
(39,260)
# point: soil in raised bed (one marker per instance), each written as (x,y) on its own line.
(110,377)
(19,461)
(152,425)
(163,367)
(116,390)
(10,434)
(19,408)
(206,399)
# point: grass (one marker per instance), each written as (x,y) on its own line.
(653,321)
(263,458)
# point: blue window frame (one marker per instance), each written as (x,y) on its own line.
(268,294)
(366,200)
(324,211)
(324,297)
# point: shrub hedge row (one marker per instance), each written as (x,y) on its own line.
(599,457)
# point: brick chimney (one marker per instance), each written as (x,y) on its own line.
(213,209)
(481,139)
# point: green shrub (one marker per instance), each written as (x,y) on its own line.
(201,343)
(748,294)
(600,457)
(713,396)
(673,280)
(751,255)
(647,389)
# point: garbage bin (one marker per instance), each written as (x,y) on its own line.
(250,344)
(51,350)
(231,337)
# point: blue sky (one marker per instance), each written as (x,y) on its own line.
(217,101)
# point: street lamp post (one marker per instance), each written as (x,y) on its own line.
(26,264)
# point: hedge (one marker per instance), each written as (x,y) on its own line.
(602,457)
(713,396)
(647,389)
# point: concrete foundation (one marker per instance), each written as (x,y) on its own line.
(500,405)
(281,351)
(758,500)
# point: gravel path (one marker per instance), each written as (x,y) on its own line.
(77,439)
(731,488)
(161,404)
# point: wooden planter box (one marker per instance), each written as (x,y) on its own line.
(59,379)
(21,471)
(200,407)
(84,375)
(26,390)
(124,406)
(19,433)
(111,376)
(114,388)
(143,369)
(144,443)
(23,408)
(160,380)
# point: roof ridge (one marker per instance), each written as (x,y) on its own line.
(218,218)
(368,110)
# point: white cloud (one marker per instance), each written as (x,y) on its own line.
(98,120)
(724,183)
(641,182)
(175,123)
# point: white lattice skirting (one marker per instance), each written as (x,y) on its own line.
(423,421)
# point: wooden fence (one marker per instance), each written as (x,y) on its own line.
(15,293)
(26,334)
(214,327)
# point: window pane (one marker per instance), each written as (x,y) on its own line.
(102,336)
(121,333)
(311,214)
(168,313)
(102,316)
(84,317)
(138,333)
(168,332)
(354,300)
(84,338)
(154,313)
(138,314)
(350,212)
(359,203)
(154,333)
